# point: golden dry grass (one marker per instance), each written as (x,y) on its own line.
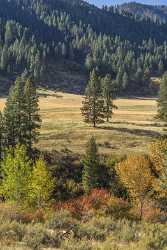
(132,127)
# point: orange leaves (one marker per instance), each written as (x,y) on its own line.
(96,199)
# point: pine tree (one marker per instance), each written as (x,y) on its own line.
(16,173)
(14,116)
(93,106)
(125,80)
(108,94)
(119,78)
(41,185)
(21,115)
(4,58)
(8,33)
(161,68)
(139,75)
(162,101)
(90,177)
(32,118)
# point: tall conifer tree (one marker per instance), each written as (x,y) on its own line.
(90,177)
(21,115)
(108,94)
(14,116)
(93,105)
(162,101)
(33,121)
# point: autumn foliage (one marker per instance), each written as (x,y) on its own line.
(156,154)
(135,174)
(96,199)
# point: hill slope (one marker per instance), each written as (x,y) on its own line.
(157,14)
(59,42)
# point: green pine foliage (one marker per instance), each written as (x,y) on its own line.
(162,101)
(21,115)
(108,89)
(32,118)
(14,115)
(91,164)
(141,12)
(47,33)
(93,109)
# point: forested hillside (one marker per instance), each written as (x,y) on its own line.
(59,42)
(157,14)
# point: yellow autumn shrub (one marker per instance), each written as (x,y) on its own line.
(157,151)
(135,174)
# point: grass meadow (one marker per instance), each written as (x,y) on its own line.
(132,127)
(98,220)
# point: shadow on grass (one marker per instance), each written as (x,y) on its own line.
(49,95)
(148,98)
(138,132)
(158,125)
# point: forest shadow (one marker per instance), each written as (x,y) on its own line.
(138,132)
(158,125)
(144,98)
(50,95)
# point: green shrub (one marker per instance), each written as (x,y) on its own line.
(90,232)
(62,220)
(74,244)
(109,244)
(11,247)
(10,212)
(127,231)
(106,224)
(12,231)
(154,237)
(37,236)
(117,208)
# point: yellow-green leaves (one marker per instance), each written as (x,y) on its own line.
(16,172)
(41,185)
(24,183)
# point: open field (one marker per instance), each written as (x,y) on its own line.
(133,125)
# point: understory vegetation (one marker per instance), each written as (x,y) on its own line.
(62,200)
(98,228)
